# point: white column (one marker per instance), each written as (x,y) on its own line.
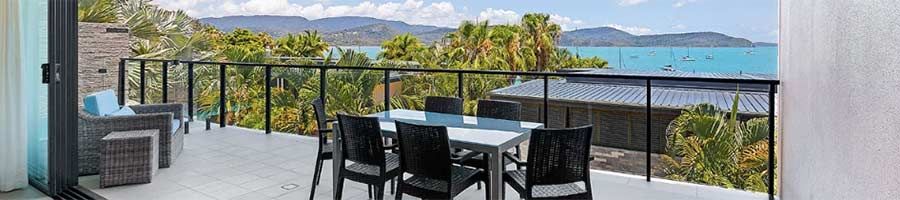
(840,99)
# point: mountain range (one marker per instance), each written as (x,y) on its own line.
(367,31)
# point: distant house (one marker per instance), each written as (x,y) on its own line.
(616,107)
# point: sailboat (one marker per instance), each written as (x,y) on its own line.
(668,68)
(688,57)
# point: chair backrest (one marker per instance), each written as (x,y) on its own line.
(448,105)
(321,118)
(361,139)
(424,150)
(558,156)
(499,109)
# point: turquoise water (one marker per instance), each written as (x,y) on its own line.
(730,60)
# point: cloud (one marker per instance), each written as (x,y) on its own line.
(679,26)
(565,23)
(631,2)
(636,30)
(682,3)
(499,16)
(441,13)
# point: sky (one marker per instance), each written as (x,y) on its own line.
(756,20)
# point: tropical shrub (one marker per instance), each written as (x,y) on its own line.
(714,147)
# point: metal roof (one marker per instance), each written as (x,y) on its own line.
(617,94)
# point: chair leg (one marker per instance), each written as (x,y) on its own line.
(340,188)
(379,192)
(320,164)
(399,194)
(316,176)
(392,185)
(369,189)
(487,192)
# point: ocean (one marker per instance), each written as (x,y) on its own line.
(724,60)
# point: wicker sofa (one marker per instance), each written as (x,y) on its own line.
(163,117)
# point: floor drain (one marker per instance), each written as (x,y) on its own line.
(289,186)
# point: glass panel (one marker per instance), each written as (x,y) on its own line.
(35,37)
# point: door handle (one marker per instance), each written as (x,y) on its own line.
(45,73)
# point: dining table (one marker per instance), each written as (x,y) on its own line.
(480,134)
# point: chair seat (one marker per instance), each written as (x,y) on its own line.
(461,177)
(391,160)
(516,180)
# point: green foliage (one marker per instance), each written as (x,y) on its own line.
(308,44)
(164,34)
(709,146)
(404,47)
(96,11)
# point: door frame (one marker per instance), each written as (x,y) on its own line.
(62,98)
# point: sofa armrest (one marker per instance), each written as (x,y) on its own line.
(176,109)
(92,128)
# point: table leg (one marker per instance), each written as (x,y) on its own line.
(496,168)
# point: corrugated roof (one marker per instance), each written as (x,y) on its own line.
(663,97)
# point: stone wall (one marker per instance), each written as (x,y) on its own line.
(626,161)
(99,48)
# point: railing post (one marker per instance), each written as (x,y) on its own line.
(649,126)
(268,99)
(771,175)
(459,85)
(222,82)
(190,94)
(122,82)
(546,101)
(165,82)
(143,68)
(323,84)
(387,90)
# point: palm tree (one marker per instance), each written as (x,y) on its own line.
(403,47)
(541,36)
(308,44)
(96,11)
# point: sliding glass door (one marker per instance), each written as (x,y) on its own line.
(34,34)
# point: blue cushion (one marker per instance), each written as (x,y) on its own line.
(101,103)
(125,111)
(175,125)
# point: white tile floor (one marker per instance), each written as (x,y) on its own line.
(235,163)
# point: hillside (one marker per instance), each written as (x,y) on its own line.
(367,31)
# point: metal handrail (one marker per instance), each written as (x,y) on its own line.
(545,76)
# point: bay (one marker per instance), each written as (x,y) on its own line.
(762,60)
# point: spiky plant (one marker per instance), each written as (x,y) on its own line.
(714,147)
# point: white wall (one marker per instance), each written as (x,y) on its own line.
(840,99)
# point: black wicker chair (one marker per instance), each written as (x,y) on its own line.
(425,155)
(496,109)
(499,109)
(361,143)
(557,160)
(447,105)
(326,149)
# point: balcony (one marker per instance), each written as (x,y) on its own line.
(633,114)
(238,163)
